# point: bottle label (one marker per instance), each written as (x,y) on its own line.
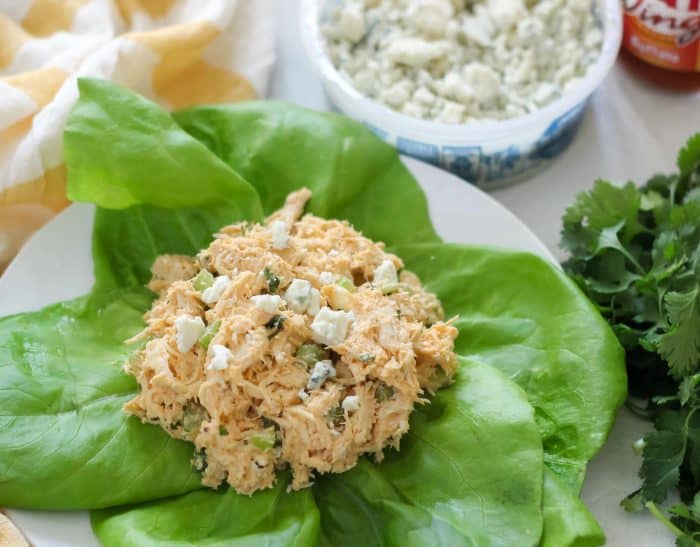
(664,32)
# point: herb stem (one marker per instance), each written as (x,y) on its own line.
(654,510)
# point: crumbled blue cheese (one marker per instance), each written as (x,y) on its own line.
(455,61)
(212,294)
(326,278)
(269,303)
(352,22)
(220,359)
(280,234)
(385,273)
(187,331)
(314,302)
(415,52)
(303,395)
(351,403)
(321,372)
(329,327)
(301,297)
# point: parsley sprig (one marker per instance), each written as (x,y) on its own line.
(636,254)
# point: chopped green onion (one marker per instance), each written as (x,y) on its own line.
(199,462)
(209,334)
(193,416)
(347,284)
(308,354)
(383,392)
(274,325)
(265,440)
(335,414)
(222,430)
(273,282)
(203,280)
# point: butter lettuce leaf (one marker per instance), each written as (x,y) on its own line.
(525,317)
(469,472)
(64,441)
(353,175)
(567,521)
(270,517)
(122,149)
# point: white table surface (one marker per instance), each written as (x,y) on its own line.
(631,130)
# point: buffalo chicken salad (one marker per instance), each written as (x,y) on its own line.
(297,342)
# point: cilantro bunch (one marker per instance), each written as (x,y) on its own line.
(636,254)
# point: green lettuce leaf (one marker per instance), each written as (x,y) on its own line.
(567,521)
(122,149)
(353,175)
(523,316)
(271,517)
(64,441)
(125,243)
(469,472)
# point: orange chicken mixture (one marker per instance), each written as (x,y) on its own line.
(298,343)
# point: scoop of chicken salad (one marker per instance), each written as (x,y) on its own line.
(295,343)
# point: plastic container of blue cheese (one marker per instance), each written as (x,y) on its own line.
(487,153)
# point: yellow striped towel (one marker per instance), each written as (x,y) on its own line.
(177,52)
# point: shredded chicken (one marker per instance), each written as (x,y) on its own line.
(296,343)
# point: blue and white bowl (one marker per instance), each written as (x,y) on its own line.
(489,153)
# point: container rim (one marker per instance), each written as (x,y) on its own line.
(382,116)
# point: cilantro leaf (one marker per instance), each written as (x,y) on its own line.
(663,454)
(680,345)
(634,502)
(607,205)
(635,252)
(685,541)
(689,156)
(608,239)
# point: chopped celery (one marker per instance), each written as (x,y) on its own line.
(265,440)
(203,280)
(347,284)
(209,334)
(391,288)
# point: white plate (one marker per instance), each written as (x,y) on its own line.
(56,264)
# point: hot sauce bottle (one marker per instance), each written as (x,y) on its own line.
(665,33)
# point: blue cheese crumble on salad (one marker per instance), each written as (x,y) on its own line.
(297,343)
